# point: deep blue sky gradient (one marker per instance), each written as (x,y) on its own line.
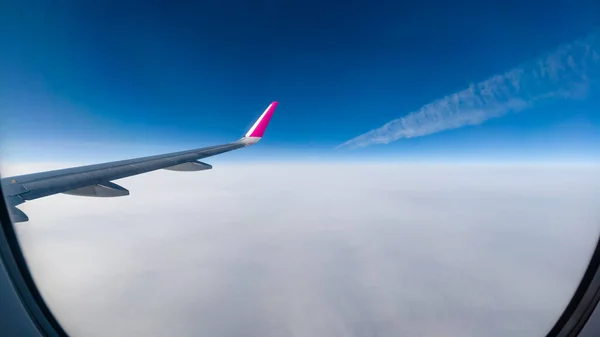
(101,80)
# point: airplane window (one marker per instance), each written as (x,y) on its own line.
(427,169)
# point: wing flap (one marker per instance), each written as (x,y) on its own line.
(105,190)
(17,215)
(190,166)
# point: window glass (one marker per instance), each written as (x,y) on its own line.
(430,169)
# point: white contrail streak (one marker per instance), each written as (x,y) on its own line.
(566,72)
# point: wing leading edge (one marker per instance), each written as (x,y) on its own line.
(95,180)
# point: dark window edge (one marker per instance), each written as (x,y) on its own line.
(21,278)
(584,301)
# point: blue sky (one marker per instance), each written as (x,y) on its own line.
(128,78)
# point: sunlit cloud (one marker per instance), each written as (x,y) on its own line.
(568,72)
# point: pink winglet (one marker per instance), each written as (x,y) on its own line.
(259,127)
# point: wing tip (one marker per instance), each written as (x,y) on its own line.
(260,126)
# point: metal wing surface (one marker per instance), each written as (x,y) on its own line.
(95,180)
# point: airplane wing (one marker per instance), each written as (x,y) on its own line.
(95,180)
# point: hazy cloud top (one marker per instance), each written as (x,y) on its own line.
(566,72)
(318,250)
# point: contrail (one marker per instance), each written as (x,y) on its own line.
(566,72)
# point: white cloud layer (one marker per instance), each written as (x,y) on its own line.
(318,250)
(567,72)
